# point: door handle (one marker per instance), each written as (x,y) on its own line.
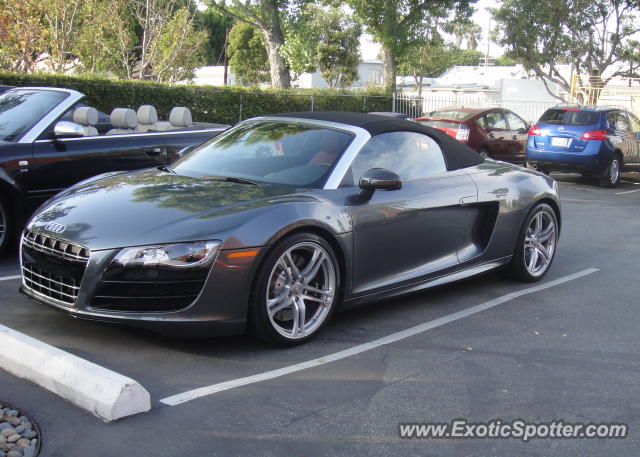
(467,201)
(154,152)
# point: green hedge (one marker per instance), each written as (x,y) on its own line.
(207,103)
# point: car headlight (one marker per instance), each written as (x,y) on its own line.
(175,255)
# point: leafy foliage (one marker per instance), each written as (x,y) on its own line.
(338,47)
(591,35)
(395,24)
(247,54)
(22,33)
(216,26)
(431,58)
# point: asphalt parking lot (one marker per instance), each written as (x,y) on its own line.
(566,352)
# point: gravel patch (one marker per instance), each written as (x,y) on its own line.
(19,435)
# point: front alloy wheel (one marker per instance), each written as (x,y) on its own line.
(536,246)
(540,243)
(298,285)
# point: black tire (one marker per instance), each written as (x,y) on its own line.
(612,173)
(260,325)
(6,224)
(517,267)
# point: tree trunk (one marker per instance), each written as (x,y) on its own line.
(280,77)
(388,68)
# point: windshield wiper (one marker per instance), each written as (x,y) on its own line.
(232,179)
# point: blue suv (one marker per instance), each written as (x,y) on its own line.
(596,141)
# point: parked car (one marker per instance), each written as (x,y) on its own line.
(495,133)
(43,152)
(279,221)
(595,141)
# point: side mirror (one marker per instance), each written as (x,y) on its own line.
(521,131)
(67,129)
(184,151)
(378,179)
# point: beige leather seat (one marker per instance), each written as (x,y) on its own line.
(87,117)
(124,120)
(179,118)
(147,118)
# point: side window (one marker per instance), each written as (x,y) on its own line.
(515,123)
(482,121)
(622,123)
(611,120)
(411,155)
(495,120)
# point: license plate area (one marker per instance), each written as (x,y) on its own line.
(560,142)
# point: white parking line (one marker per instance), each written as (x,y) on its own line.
(215,388)
(626,192)
(9,278)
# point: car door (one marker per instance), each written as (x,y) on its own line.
(627,142)
(516,138)
(409,234)
(58,163)
(495,133)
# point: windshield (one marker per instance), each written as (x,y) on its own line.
(455,115)
(570,116)
(275,152)
(22,109)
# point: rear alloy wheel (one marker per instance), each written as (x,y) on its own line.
(612,174)
(296,291)
(536,246)
(484,153)
(5,224)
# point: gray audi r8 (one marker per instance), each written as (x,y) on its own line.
(278,222)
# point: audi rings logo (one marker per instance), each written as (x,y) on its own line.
(55,227)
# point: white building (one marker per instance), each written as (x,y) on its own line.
(509,87)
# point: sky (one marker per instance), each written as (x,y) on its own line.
(369,50)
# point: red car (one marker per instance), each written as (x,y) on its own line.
(495,133)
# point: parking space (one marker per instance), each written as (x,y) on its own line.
(566,352)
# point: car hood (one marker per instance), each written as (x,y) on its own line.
(152,206)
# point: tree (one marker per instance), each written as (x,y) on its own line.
(396,23)
(268,17)
(106,39)
(431,58)
(590,35)
(338,47)
(247,54)
(465,29)
(167,38)
(63,19)
(22,34)
(217,27)
(505,61)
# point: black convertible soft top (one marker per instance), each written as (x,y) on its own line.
(457,154)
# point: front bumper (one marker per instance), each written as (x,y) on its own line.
(219,310)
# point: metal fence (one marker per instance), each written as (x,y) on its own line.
(420,106)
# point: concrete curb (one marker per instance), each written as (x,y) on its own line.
(103,392)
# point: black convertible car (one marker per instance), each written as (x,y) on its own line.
(281,220)
(50,140)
